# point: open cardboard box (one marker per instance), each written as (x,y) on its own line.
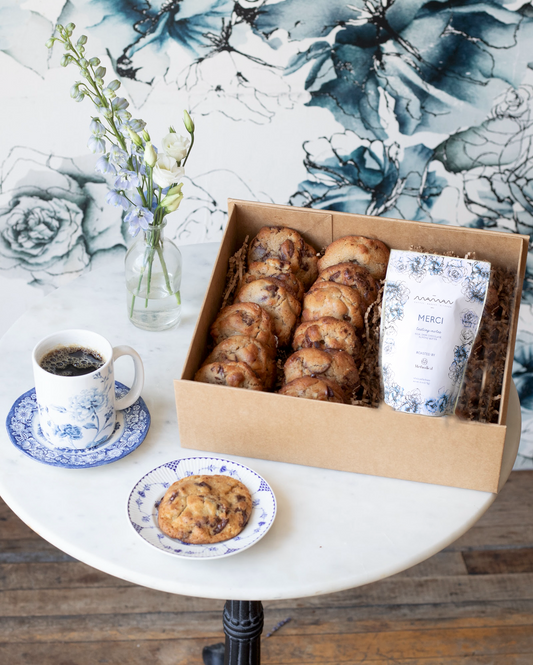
(382,442)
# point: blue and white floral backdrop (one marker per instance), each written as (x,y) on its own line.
(405,108)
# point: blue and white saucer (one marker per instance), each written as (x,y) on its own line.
(25,433)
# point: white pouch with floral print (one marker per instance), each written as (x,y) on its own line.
(432,307)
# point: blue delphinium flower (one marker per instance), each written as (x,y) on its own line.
(97,128)
(104,165)
(138,218)
(115,198)
(127,180)
(118,156)
(96,144)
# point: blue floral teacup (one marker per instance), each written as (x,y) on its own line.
(75,387)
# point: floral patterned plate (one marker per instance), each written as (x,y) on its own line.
(148,492)
(25,432)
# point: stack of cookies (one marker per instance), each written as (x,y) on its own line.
(327,343)
(265,311)
(289,299)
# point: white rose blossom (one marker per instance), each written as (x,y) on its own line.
(175,146)
(166,171)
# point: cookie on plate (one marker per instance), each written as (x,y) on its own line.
(356,276)
(367,252)
(309,387)
(331,364)
(336,300)
(245,318)
(204,509)
(283,307)
(327,333)
(232,374)
(241,348)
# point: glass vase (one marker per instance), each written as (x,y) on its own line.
(153,279)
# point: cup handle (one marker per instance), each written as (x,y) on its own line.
(138,382)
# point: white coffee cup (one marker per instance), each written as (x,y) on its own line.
(80,411)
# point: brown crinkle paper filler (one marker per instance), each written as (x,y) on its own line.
(236,270)
(480,396)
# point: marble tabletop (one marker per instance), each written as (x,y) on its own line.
(333,530)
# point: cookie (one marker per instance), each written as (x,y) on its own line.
(280,242)
(336,300)
(283,307)
(356,276)
(331,364)
(244,318)
(367,252)
(232,374)
(277,269)
(241,348)
(309,387)
(204,509)
(327,333)
(308,271)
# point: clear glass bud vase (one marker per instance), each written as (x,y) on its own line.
(153,279)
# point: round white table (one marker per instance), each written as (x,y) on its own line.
(333,530)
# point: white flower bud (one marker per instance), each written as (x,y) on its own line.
(150,155)
(187,121)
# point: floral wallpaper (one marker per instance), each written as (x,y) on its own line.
(405,108)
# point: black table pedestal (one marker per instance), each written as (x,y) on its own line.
(243,624)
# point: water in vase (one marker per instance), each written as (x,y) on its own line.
(156,311)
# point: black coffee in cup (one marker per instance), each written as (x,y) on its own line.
(71,361)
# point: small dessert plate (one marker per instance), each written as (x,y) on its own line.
(25,433)
(148,492)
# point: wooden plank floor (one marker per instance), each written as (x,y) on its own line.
(471,604)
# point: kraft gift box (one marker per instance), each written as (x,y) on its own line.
(376,441)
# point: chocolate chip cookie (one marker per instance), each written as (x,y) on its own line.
(356,276)
(309,387)
(241,348)
(327,333)
(367,252)
(232,374)
(331,364)
(245,318)
(280,242)
(277,269)
(336,300)
(283,307)
(204,509)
